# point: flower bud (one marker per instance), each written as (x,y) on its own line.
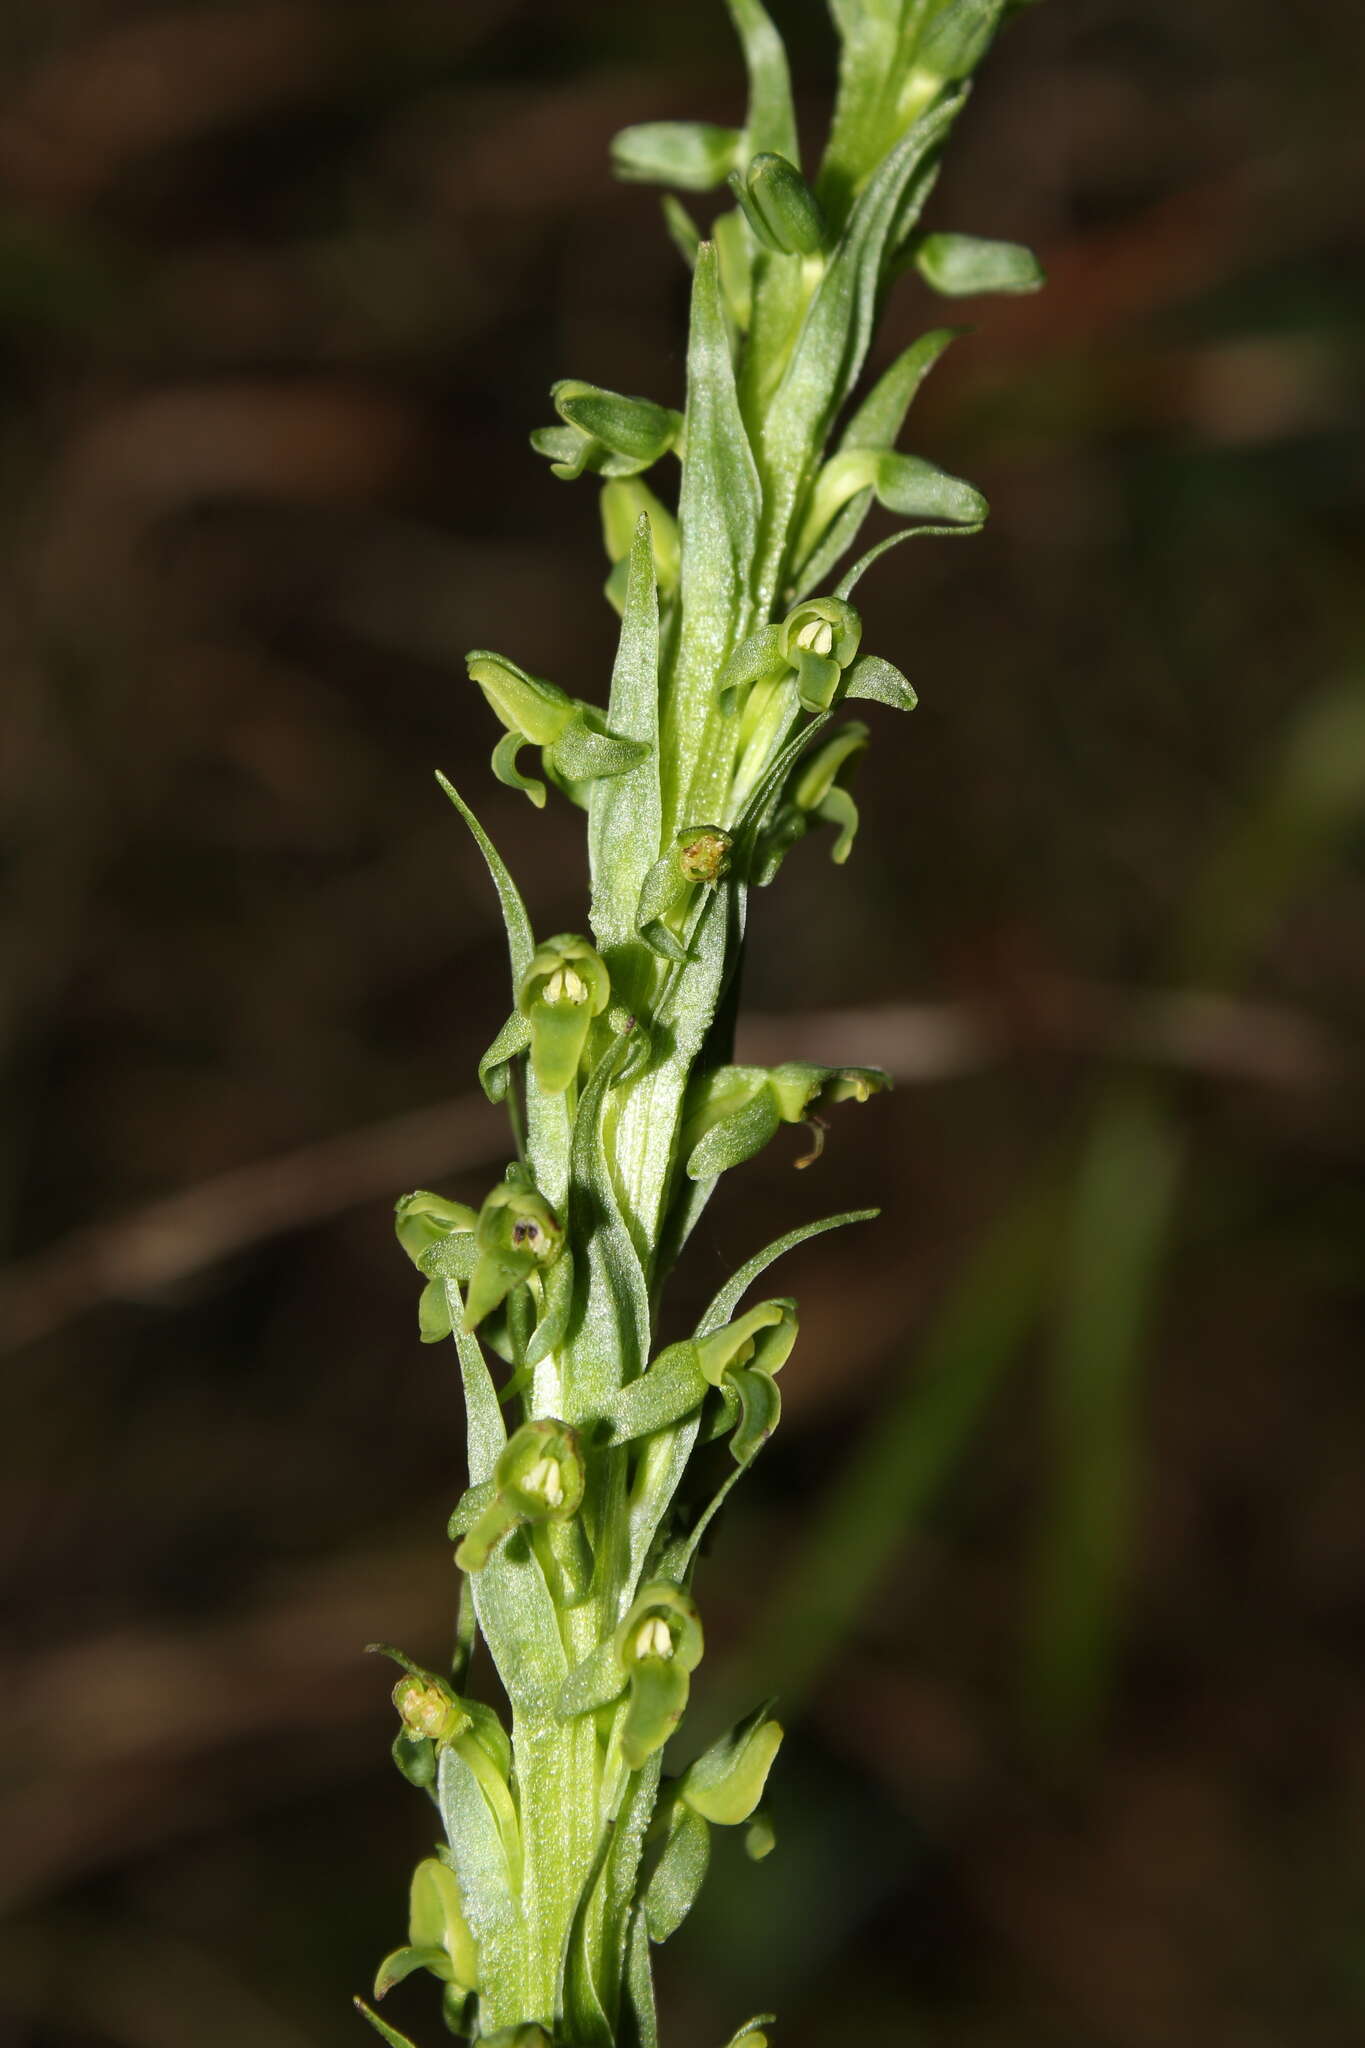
(780,207)
(429,1710)
(657,1645)
(699,857)
(634,428)
(563,989)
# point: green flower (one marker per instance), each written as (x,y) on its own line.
(658,1646)
(604,432)
(732,1112)
(516,1237)
(816,795)
(699,857)
(575,745)
(563,989)
(539,1477)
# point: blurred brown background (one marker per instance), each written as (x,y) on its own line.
(1057,1557)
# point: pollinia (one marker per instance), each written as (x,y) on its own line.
(597,1460)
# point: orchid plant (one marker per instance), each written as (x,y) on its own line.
(597,1460)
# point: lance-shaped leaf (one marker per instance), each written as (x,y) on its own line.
(539,1477)
(679,1874)
(564,987)
(771,122)
(625,502)
(876,424)
(959,266)
(658,1645)
(698,858)
(382,2027)
(718,512)
(693,155)
(726,1782)
(493,1067)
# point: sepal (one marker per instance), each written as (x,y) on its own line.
(727,1781)
(958,38)
(958,266)
(693,155)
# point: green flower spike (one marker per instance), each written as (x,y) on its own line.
(517,1235)
(698,858)
(604,432)
(780,207)
(439,1939)
(816,795)
(434,1231)
(575,746)
(734,1111)
(563,989)
(658,1646)
(539,1477)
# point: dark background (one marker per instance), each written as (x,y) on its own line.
(1057,1556)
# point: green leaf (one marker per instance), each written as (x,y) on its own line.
(485,1429)
(673,1387)
(594,1683)
(640,1984)
(727,1299)
(625,813)
(488,1883)
(694,155)
(718,512)
(611,1334)
(679,1874)
(852,577)
(960,265)
(382,2027)
(517,925)
(771,122)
